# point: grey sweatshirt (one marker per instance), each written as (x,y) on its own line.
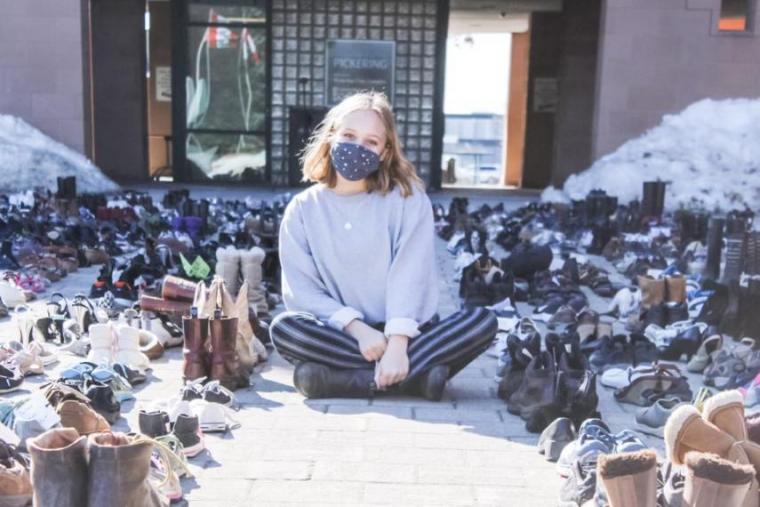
(363,256)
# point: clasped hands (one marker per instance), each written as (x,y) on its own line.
(390,354)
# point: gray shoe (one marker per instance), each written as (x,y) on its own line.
(564,316)
(555,437)
(651,420)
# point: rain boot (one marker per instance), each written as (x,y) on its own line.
(59,468)
(119,470)
(714,247)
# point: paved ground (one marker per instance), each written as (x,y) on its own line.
(464,450)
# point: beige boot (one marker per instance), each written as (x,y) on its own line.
(715,482)
(228,267)
(652,291)
(629,478)
(250,266)
(686,431)
(676,289)
(726,411)
(82,418)
(256,352)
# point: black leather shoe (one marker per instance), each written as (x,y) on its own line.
(103,401)
(432,383)
(315,381)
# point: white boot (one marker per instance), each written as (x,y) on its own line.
(101,344)
(250,267)
(128,348)
(228,267)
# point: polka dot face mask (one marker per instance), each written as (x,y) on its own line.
(353,161)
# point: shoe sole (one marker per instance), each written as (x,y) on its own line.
(10,390)
(194,450)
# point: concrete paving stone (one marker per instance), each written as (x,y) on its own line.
(220,490)
(415,456)
(465,441)
(397,411)
(265,492)
(366,438)
(259,469)
(369,472)
(403,425)
(459,415)
(530,496)
(496,476)
(418,494)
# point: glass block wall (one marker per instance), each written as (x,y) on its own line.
(300,29)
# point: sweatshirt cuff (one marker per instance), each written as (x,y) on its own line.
(402,326)
(340,319)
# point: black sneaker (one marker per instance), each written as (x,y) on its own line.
(214,392)
(153,424)
(103,401)
(10,378)
(123,290)
(187,430)
(133,376)
(192,390)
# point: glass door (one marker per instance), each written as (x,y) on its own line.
(224,76)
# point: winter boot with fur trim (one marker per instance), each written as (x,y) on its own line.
(686,431)
(228,267)
(250,267)
(629,478)
(712,481)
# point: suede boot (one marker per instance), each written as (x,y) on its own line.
(228,268)
(225,362)
(629,478)
(652,291)
(15,482)
(676,289)
(250,267)
(195,362)
(119,469)
(250,349)
(82,418)
(59,468)
(315,381)
(715,482)
(686,431)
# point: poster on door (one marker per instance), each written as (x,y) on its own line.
(359,65)
(163,84)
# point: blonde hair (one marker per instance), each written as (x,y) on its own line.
(394,170)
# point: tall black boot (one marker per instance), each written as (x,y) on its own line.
(714,247)
(649,200)
(315,380)
(428,385)
(659,199)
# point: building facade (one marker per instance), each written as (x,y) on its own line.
(227,91)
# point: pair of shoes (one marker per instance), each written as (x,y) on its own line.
(633,349)
(655,291)
(185,427)
(234,265)
(647,386)
(212,392)
(119,343)
(101,469)
(720,430)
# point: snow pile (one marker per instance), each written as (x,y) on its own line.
(709,153)
(28,159)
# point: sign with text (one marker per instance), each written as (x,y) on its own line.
(359,65)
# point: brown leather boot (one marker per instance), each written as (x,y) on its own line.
(195,362)
(652,291)
(676,288)
(225,363)
(166,306)
(177,289)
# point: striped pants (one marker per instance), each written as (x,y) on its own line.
(455,341)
